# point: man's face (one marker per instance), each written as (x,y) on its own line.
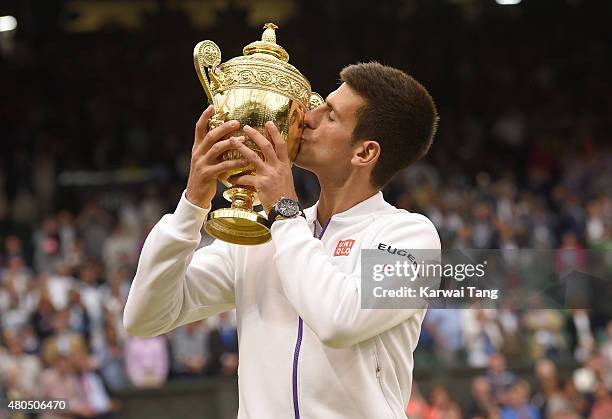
(328,131)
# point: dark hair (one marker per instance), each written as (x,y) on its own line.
(398,113)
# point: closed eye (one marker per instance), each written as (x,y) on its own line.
(330,109)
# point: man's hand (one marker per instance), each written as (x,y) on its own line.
(205,164)
(274,178)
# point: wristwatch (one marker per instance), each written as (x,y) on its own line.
(283,209)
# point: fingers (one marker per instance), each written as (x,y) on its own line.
(248,154)
(202,124)
(219,168)
(262,142)
(245,180)
(216,134)
(280,146)
(222,146)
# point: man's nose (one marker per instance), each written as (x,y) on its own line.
(311,117)
(308,120)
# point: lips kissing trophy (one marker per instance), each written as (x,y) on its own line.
(254,88)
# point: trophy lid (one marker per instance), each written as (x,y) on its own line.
(267,45)
(263,65)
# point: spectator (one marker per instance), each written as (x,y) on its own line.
(606,347)
(114,293)
(18,274)
(544,328)
(224,346)
(94,224)
(21,371)
(602,408)
(482,335)
(147,361)
(28,340)
(577,403)
(89,276)
(13,247)
(78,317)
(444,327)
(60,381)
(119,248)
(498,376)
(59,284)
(442,406)
(190,349)
(581,340)
(548,386)
(418,408)
(571,255)
(518,406)
(47,246)
(110,357)
(63,340)
(42,317)
(94,396)
(68,237)
(591,374)
(10,305)
(483,404)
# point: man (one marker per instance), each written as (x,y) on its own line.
(307,349)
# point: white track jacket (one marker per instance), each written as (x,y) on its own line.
(307,349)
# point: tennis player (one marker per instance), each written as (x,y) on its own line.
(306,347)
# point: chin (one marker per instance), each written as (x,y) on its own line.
(298,162)
(301,162)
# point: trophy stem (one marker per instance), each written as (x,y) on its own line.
(238,224)
(241,198)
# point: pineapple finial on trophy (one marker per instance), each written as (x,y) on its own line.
(269,34)
(267,45)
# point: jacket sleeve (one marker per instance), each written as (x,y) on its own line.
(328,299)
(174,283)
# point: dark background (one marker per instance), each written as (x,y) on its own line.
(99,102)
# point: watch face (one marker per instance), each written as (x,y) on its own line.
(287,207)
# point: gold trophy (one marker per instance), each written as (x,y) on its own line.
(257,87)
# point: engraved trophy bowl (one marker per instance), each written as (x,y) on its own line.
(254,88)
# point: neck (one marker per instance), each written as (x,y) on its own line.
(337,197)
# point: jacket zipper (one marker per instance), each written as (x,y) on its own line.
(296,353)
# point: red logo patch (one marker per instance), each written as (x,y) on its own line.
(343,248)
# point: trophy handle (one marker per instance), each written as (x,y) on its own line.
(314,101)
(206,58)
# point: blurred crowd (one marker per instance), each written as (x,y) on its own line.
(62,334)
(500,393)
(96,148)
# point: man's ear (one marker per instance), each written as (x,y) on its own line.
(366,153)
